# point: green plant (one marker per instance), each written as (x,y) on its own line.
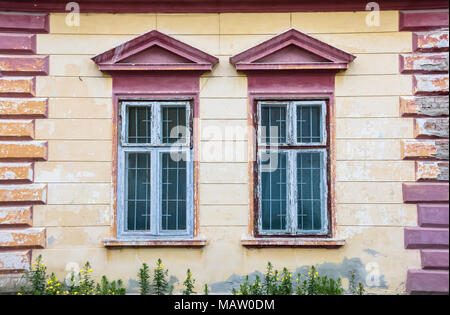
(107,288)
(39,283)
(318,285)
(353,288)
(271,279)
(86,285)
(256,287)
(286,287)
(54,286)
(35,278)
(244,288)
(160,283)
(301,285)
(189,284)
(205,289)
(144,277)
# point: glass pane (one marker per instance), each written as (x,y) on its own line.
(138,192)
(274,192)
(173,193)
(309,120)
(273,124)
(174,124)
(309,183)
(139,124)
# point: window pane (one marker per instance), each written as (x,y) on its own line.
(173,208)
(274,192)
(138,199)
(309,120)
(309,181)
(139,124)
(273,124)
(173,124)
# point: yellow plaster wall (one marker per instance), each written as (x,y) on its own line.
(369,170)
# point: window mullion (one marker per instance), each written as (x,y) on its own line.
(156,123)
(292,121)
(188,125)
(155,174)
(292,192)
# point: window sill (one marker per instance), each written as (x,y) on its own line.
(118,243)
(293,242)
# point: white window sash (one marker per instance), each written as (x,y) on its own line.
(155,149)
(291,164)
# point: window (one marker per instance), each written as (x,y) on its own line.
(292,168)
(155,170)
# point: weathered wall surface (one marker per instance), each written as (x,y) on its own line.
(429,107)
(19,146)
(370,169)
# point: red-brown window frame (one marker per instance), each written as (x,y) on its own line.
(256,211)
(252,122)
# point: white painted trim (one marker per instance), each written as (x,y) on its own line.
(155,149)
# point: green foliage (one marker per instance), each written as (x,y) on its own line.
(144,279)
(271,280)
(273,283)
(189,284)
(87,285)
(286,287)
(256,288)
(244,288)
(276,283)
(54,286)
(160,283)
(107,288)
(39,283)
(318,285)
(356,289)
(36,278)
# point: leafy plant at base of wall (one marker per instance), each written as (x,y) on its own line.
(36,277)
(205,289)
(244,288)
(256,288)
(355,290)
(39,283)
(274,284)
(271,281)
(54,286)
(286,287)
(317,285)
(189,284)
(160,283)
(107,288)
(87,285)
(144,279)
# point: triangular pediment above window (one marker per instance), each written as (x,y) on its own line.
(154,51)
(292,50)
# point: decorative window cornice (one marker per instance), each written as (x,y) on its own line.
(155,51)
(292,50)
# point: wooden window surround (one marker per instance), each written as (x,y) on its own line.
(292,67)
(292,154)
(154,69)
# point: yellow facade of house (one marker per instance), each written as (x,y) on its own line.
(371,215)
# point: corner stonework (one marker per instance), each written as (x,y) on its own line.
(429,105)
(19,108)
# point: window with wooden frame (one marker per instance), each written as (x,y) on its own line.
(155,190)
(292,192)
